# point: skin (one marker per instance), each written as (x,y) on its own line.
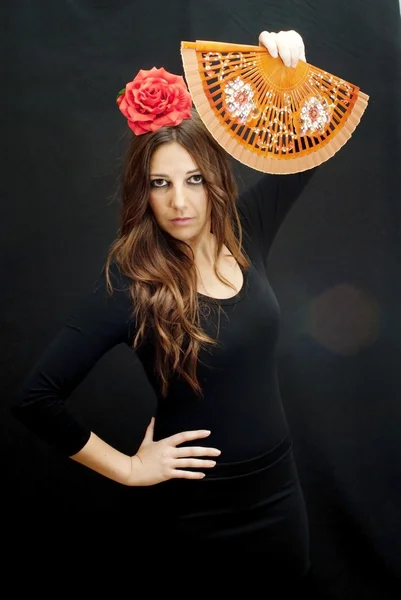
(178,191)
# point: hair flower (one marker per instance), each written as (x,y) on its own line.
(153,99)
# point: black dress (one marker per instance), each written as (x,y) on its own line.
(252,500)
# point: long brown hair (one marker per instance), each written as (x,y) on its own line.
(162,271)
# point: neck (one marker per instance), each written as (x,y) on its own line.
(204,249)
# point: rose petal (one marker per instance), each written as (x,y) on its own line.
(170,77)
(168,119)
(137,129)
(135,115)
(146,101)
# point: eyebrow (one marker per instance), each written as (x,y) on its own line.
(162,175)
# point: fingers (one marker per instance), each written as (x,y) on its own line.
(299,47)
(268,40)
(187,475)
(196,451)
(194,463)
(150,431)
(188,436)
(285,54)
(289,45)
(191,463)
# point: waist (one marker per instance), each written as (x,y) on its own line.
(241,433)
(230,470)
(236,485)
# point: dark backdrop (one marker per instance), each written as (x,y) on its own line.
(335,265)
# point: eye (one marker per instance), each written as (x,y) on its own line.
(158,183)
(196,179)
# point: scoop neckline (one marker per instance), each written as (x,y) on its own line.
(232,299)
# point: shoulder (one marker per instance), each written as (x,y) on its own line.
(108,302)
(112,280)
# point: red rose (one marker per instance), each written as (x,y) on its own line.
(153,99)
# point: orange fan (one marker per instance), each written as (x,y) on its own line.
(270,117)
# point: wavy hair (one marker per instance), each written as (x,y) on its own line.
(163,287)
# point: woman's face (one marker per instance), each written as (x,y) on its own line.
(178,195)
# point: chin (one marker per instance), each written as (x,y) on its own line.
(183,236)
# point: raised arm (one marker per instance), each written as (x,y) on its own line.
(264,206)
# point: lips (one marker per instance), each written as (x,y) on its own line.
(181,221)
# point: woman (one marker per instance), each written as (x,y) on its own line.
(185,285)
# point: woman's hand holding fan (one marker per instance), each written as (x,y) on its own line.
(288,45)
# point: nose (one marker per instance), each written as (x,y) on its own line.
(178,198)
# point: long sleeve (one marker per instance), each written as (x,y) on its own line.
(99,323)
(264,206)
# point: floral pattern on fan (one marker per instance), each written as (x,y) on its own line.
(314,116)
(239,99)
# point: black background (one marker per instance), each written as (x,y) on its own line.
(335,265)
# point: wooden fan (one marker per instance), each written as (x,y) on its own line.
(270,117)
